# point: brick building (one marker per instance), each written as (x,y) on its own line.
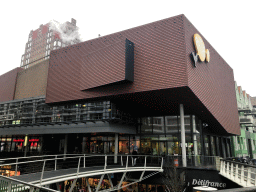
(47,37)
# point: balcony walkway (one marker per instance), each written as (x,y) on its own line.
(240,173)
(41,171)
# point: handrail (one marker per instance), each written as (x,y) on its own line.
(239,163)
(27,184)
(56,159)
(41,160)
(240,173)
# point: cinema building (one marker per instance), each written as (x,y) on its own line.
(152,88)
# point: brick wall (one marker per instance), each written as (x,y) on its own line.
(32,81)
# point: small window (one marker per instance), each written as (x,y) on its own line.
(59,43)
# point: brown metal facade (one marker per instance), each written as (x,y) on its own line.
(158,62)
(213,83)
(162,63)
(8,84)
(32,81)
(113,62)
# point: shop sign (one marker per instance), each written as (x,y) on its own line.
(33,140)
(6,139)
(201,54)
(6,167)
(208,183)
(18,140)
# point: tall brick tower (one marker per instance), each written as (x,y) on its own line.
(48,37)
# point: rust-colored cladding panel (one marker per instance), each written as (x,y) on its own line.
(162,61)
(159,62)
(111,59)
(7,85)
(213,83)
(31,82)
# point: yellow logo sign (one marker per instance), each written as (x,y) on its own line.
(201,53)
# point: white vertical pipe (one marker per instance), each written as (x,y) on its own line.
(116,147)
(195,139)
(56,162)
(183,140)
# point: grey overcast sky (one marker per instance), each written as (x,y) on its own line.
(228,25)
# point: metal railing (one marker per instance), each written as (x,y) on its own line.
(200,161)
(79,164)
(241,173)
(8,184)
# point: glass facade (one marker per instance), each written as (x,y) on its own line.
(156,135)
(36,111)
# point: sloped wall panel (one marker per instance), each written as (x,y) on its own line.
(7,85)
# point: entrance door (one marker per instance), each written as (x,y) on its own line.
(96,147)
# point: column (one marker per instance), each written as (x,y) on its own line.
(195,135)
(183,140)
(116,147)
(66,145)
(26,145)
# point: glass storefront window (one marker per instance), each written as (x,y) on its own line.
(197,149)
(171,123)
(213,149)
(112,147)
(162,148)
(206,145)
(134,144)
(124,147)
(146,125)
(155,148)
(158,125)
(96,147)
(228,148)
(146,146)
